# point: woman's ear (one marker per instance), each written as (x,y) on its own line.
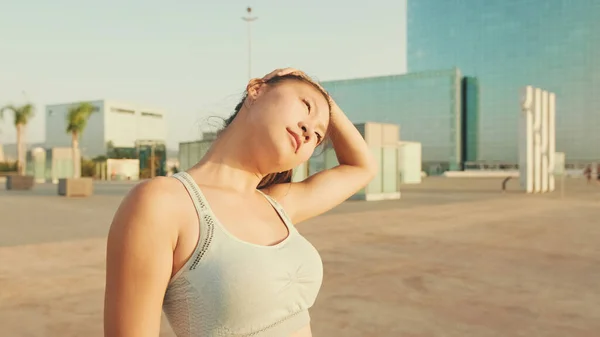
(255,87)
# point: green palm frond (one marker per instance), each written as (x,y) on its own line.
(22,113)
(78,116)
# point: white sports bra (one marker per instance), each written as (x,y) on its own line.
(230,287)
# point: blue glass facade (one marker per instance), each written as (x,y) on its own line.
(508,44)
(470,118)
(427,106)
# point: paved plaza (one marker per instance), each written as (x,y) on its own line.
(453,257)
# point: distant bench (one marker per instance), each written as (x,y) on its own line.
(507,175)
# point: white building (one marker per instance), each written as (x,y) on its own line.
(122,124)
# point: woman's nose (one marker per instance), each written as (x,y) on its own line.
(306,132)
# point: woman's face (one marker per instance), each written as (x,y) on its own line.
(289,120)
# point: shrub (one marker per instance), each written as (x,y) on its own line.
(8,166)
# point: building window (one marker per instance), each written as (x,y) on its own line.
(152,114)
(122,111)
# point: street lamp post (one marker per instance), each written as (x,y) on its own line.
(249,18)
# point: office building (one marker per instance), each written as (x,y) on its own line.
(507,45)
(113,125)
(428,106)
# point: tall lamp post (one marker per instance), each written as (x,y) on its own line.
(249,18)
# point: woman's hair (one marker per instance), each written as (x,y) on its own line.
(285,176)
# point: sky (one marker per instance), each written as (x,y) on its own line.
(185,57)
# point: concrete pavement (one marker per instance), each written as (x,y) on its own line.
(451,258)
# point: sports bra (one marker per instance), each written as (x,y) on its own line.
(230,287)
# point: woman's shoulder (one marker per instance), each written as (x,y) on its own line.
(152,206)
(157,195)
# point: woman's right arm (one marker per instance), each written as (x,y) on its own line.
(139,260)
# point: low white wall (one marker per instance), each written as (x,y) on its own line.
(481,174)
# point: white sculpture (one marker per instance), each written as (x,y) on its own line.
(537,139)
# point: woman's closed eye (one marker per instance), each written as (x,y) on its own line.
(307,103)
(309,109)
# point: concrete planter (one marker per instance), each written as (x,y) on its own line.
(19,183)
(76,187)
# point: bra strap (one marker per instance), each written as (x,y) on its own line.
(205,219)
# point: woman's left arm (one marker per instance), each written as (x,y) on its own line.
(329,188)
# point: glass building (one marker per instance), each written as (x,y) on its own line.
(551,44)
(428,106)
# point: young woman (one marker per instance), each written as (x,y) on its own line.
(215,247)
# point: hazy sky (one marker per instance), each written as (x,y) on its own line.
(186,57)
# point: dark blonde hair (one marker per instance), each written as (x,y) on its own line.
(285,176)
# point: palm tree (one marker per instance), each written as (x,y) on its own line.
(76,122)
(22,115)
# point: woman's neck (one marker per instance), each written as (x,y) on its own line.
(228,165)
